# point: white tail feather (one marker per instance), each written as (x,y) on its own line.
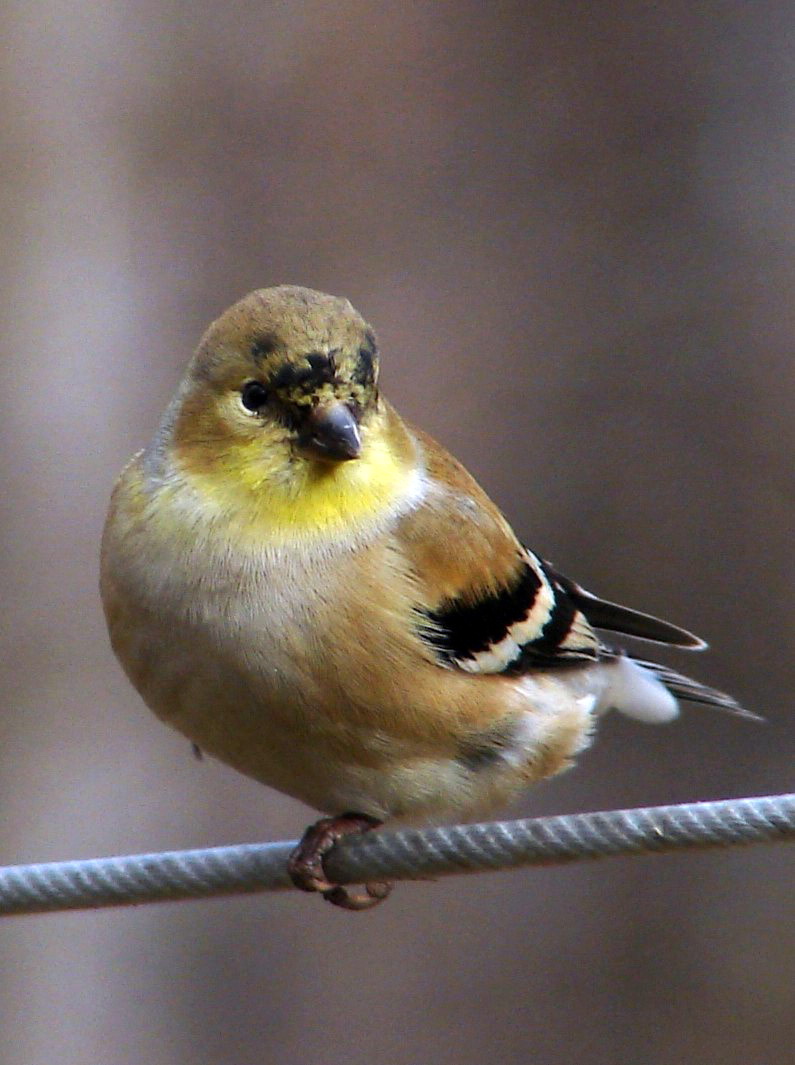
(636,692)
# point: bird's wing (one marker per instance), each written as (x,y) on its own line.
(490,605)
(612,617)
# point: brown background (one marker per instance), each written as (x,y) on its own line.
(574,232)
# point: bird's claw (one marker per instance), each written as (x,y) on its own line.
(305,864)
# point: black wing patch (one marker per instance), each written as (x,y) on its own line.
(464,629)
(542,620)
(531,623)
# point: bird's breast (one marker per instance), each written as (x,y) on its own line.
(304,669)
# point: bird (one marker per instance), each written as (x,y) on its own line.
(318,594)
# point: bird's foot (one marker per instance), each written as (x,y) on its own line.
(305,864)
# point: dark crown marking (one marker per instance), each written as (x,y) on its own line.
(263,345)
(317,370)
(364,373)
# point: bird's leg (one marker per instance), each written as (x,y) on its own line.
(305,864)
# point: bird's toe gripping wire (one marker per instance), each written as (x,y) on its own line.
(307,872)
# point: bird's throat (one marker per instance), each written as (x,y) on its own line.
(312,500)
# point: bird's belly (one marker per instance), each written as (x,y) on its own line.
(239,678)
(238,704)
(236,695)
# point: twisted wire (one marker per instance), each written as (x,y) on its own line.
(397,855)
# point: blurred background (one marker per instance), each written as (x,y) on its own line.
(573,228)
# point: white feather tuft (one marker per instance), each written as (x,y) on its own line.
(636,692)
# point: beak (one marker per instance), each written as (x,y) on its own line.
(332,434)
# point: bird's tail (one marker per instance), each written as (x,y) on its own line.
(650,692)
(692,691)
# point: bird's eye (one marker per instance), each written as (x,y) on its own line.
(254,396)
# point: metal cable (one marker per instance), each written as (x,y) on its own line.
(397,855)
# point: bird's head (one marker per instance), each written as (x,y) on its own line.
(288,371)
(281,400)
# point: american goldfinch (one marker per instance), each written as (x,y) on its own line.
(319,595)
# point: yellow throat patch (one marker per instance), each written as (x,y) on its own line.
(305,501)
